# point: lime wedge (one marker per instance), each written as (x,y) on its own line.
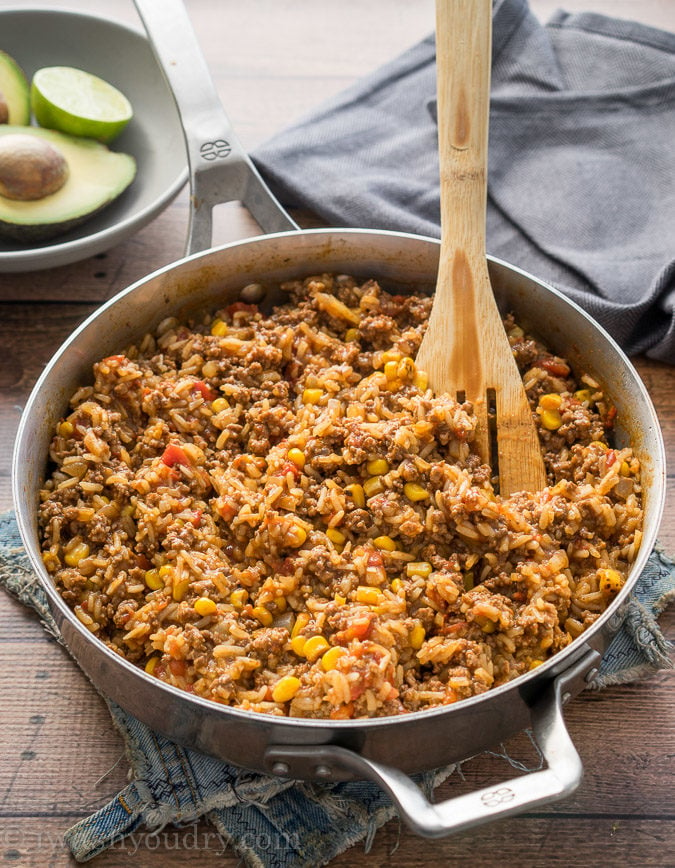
(76,102)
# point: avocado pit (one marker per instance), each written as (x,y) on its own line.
(30,168)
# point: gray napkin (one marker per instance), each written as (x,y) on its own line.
(581,161)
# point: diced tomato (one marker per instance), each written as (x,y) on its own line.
(289,467)
(175,455)
(554,366)
(357,689)
(375,559)
(610,417)
(344,712)
(177,667)
(358,629)
(226,510)
(241,305)
(115,359)
(610,458)
(197,517)
(205,391)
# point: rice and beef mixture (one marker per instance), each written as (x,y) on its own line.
(276,513)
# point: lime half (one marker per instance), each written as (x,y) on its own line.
(76,102)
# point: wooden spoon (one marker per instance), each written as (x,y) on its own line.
(465,350)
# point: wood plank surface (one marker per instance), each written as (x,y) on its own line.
(60,757)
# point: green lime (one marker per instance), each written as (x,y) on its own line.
(78,103)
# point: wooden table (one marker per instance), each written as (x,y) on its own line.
(59,756)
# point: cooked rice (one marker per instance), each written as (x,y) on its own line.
(276,513)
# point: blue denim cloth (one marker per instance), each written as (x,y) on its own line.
(272,822)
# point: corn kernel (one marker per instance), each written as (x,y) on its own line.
(385,543)
(373,485)
(415,492)
(488,626)
(336,536)
(298,645)
(340,599)
(219,405)
(419,568)
(65,429)
(535,663)
(583,395)
(301,621)
(281,604)
(421,380)
(390,370)
(314,647)
(406,369)
(312,396)
(180,589)
(396,585)
(417,636)
(551,420)
(151,664)
(352,335)
(285,688)
(218,328)
(205,606)
(75,553)
(260,613)
(331,657)
(295,536)
(238,598)
(297,456)
(624,470)
(377,467)
(610,581)
(51,561)
(356,493)
(391,356)
(552,401)
(368,595)
(153,579)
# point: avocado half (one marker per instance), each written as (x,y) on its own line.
(15,90)
(97,177)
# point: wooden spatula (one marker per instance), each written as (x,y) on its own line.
(465,350)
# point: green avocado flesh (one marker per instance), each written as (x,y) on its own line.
(15,90)
(96,177)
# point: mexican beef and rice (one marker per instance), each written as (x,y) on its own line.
(275,513)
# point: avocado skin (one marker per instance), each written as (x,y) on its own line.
(82,196)
(33,234)
(15,89)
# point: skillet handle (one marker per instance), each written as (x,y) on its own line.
(561,777)
(220,169)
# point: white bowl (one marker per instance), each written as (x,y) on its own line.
(154,137)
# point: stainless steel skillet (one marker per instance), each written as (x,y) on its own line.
(385,750)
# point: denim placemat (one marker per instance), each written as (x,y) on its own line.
(268,821)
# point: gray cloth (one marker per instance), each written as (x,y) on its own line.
(581,161)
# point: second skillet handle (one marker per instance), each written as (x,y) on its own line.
(220,169)
(559,779)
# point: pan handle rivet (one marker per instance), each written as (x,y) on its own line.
(323,771)
(590,675)
(281,769)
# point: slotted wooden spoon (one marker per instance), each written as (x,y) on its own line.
(465,350)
